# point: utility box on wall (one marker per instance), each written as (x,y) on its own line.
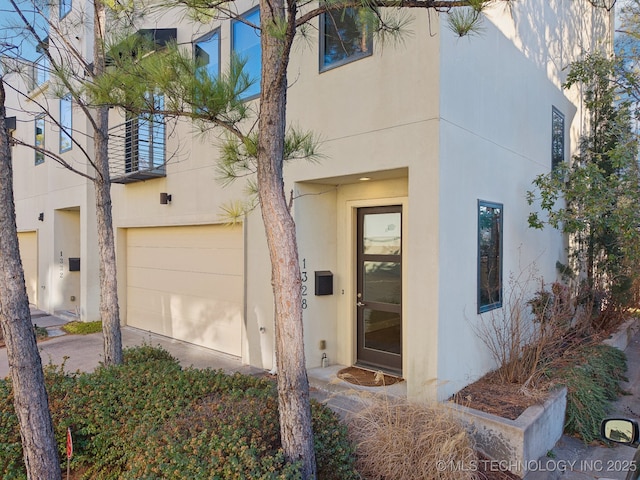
(74,264)
(324,282)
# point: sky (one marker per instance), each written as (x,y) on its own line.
(12,41)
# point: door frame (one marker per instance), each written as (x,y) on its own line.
(377,358)
(347,239)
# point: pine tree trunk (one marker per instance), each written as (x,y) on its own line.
(293,385)
(30,396)
(109,309)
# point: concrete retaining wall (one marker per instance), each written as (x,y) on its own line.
(518,443)
(621,338)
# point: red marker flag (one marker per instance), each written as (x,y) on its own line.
(69,444)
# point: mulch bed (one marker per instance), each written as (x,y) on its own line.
(504,400)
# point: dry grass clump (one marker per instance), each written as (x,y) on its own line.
(399,440)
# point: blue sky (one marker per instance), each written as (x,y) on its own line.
(8,33)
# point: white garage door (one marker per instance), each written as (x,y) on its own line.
(28,242)
(187,283)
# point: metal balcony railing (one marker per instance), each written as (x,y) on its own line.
(137,149)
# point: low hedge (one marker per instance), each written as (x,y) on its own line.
(592,374)
(149,418)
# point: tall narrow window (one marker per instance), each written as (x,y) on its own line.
(489,256)
(557,137)
(344,37)
(65,8)
(39,138)
(145,138)
(66,123)
(40,71)
(245,41)
(207,54)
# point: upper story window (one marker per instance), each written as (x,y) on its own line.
(65,8)
(40,71)
(245,44)
(66,123)
(489,256)
(39,138)
(207,54)
(145,138)
(557,137)
(10,124)
(345,36)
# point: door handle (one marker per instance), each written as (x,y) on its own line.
(359,304)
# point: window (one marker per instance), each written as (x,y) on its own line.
(245,41)
(65,123)
(345,37)
(39,138)
(65,8)
(207,54)
(557,137)
(145,139)
(40,71)
(489,256)
(10,124)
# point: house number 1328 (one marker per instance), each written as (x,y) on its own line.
(303,274)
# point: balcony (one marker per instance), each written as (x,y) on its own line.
(137,149)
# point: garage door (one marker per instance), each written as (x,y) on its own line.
(187,283)
(28,242)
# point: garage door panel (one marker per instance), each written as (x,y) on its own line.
(198,260)
(208,322)
(196,236)
(187,283)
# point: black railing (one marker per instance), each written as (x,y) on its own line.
(137,149)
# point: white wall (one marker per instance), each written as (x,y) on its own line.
(496,103)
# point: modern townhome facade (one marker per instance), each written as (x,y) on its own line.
(409,228)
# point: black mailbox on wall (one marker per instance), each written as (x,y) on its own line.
(74,264)
(324,282)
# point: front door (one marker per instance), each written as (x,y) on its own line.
(379,287)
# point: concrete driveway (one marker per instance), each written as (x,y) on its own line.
(85,352)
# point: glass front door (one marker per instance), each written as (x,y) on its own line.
(379,288)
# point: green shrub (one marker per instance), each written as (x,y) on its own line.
(592,374)
(149,418)
(83,328)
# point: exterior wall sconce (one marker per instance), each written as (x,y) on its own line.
(165,198)
(41,216)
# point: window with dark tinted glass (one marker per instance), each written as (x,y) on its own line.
(39,139)
(345,36)
(489,256)
(245,41)
(557,137)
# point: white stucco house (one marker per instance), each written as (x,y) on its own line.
(408,228)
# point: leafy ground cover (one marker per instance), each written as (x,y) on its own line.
(82,328)
(150,418)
